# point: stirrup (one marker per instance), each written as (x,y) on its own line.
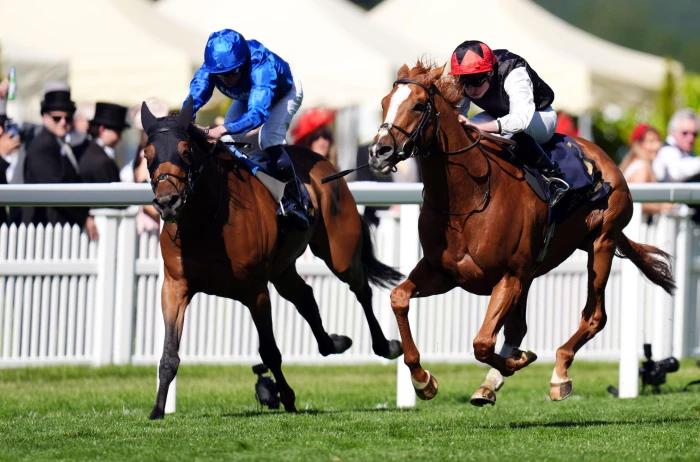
(557,187)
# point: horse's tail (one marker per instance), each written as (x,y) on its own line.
(378,273)
(653,262)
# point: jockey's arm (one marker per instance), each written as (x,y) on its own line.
(521,98)
(201,90)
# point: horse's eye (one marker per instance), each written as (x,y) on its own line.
(419,107)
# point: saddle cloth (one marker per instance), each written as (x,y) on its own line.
(582,175)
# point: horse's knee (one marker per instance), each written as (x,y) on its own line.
(484,348)
(400,299)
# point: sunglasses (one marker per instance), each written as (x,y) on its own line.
(58,118)
(687,132)
(474,81)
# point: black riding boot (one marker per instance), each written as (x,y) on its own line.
(533,155)
(295,203)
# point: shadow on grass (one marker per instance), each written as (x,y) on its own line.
(588,423)
(272,413)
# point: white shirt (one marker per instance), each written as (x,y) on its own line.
(518,87)
(673,164)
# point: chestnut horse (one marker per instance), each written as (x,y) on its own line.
(221,237)
(482,229)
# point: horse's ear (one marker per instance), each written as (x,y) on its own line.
(185,116)
(403,72)
(147,117)
(437,72)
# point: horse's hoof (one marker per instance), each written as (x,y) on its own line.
(560,391)
(340,343)
(337,344)
(290,408)
(156,414)
(429,390)
(392,350)
(483,396)
(526,358)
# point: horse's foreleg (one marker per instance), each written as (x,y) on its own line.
(593,317)
(292,287)
(258,302)
(174,300)
(505,297)
(515,328)
(423,281)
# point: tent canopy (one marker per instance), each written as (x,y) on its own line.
(339,58)
(115,50)
(583,70)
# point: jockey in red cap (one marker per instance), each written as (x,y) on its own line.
(515,99)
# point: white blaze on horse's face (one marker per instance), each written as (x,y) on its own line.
(400,95)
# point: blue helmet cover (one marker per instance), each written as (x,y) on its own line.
(225,50)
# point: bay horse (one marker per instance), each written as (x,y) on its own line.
(482,228)
(221,237)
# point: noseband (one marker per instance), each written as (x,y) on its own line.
(415,139)
(192,173)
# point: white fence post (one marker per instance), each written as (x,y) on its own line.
(410,246)
(683,267)
(124,302)
(631,281)
(103,317)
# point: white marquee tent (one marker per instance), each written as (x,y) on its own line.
(340,59)
(115,50)
(33,68)
(584,70)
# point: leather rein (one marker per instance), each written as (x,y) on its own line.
(415,138)
(192,173)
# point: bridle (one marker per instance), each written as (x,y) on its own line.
(193,173)
(415,139)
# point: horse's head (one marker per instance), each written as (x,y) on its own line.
(410,118)
(169,158)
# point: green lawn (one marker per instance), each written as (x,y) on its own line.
(346,413)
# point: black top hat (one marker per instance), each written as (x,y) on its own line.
(57,100)
(110,115)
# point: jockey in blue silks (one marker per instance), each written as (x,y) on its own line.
(265,96)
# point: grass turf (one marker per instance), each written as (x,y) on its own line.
(346,413)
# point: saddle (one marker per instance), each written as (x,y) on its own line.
(584,178)
(274,168)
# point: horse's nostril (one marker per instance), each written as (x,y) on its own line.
(383,150)
(173,200)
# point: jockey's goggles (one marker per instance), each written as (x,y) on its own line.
(474,80)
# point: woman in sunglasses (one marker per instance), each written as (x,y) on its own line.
(515,99)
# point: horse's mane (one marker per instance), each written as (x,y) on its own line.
(446,84)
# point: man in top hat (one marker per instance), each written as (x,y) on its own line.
(50,158)
(97,163)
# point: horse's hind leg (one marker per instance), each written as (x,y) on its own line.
(423,281)
(258,302)
(593,317)
(292,287)
(515,328)
(350,270)
(174,303)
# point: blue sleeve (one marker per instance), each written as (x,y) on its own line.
(263,85)
(201,90)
